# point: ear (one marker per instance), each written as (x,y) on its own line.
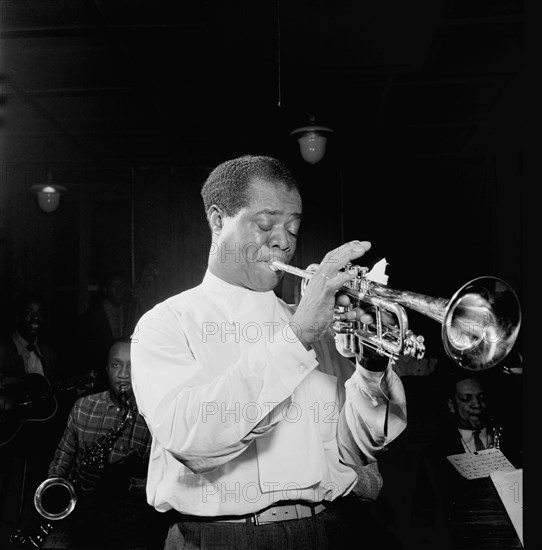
(215,217)
(451,405)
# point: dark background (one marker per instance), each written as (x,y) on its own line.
(435,156)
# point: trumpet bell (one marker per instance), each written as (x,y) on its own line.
(481,323)
(55,498)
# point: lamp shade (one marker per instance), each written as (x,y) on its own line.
(48,194)
(312,141)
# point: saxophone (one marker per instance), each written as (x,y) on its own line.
(90,470)
(495,430)
(56,497)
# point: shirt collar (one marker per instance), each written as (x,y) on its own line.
(106,396)
(467,434)
(21,343)
(229,297)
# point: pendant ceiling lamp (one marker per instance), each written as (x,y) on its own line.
(48,193)
(312,140)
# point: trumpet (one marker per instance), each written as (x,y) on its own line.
(479,323)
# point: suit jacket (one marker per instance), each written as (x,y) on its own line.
(40,437)
(12,364)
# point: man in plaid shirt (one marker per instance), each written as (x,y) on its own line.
(115,512)
(94,415)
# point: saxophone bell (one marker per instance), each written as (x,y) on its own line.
(55,498)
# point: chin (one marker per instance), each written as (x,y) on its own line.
(263,279)
(269,282)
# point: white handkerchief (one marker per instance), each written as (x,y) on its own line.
(509,485)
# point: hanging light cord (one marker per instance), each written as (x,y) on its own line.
(279,92)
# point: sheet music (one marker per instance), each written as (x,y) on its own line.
(480,463)
(509,485)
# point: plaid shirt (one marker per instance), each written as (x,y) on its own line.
(91,417)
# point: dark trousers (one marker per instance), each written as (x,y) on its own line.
(345,524)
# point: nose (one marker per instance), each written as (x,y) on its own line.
(279,238)
(124,372)
(478,403)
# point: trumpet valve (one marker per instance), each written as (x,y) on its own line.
(414,346)
(347,344)
(343,327)
(359,282)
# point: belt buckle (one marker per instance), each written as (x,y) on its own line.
(256,517)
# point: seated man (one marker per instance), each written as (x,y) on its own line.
(473,423)
(424,496)
(104,453)
(29,420)
(24,351)
(26,361)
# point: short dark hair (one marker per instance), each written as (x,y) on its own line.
(459,375)
(23,299)
(121,340)
(227,185)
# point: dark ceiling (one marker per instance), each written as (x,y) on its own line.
(137,82)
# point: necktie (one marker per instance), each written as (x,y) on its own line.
(33,348)
(478,445)
(34,360)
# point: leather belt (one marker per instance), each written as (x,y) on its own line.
(278,512)
(282,512)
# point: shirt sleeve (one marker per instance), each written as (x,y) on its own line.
(373,415)
(67,448)
(205,420)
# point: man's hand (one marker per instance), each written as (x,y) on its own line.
(314,313)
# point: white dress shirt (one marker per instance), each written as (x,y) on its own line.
(31,360)
(241,414)
(467,439)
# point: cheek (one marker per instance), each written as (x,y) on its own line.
(248,245)
(252,251)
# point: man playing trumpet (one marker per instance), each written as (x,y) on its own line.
(263,434)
